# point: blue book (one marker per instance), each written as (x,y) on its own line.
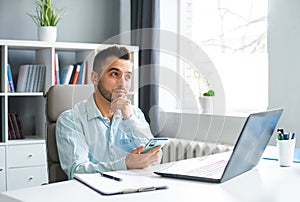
(10,80)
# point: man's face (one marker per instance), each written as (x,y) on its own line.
(115,78)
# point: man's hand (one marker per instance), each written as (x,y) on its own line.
(119,101)
(124,105)
(136,160)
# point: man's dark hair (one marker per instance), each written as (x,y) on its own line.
(120,52)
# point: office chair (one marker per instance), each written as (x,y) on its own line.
(59,99)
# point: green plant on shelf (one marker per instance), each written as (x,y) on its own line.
(209,93)
(203,85)
(46,14)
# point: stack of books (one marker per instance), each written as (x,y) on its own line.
(31,78)
(70,74)
(73,74)
(15,129)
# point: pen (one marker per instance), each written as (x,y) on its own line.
(111,177)
(293,136)
(286,136)
(144,189)
(280,131)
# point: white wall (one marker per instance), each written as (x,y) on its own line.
(284,62)
(84,21)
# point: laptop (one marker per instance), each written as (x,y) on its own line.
(251,143)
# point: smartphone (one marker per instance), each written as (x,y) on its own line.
(154,142)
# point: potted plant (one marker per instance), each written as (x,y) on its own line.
(46,18)
(206,97)
(206,101)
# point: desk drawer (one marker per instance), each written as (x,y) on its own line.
(26,177)
(26,155)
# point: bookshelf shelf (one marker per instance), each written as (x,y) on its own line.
(29,103)
(25,94)
(28,140)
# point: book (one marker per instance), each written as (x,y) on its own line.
(66,73)
(17,119)
(85,72)
(54,64)
(15,125)
(8,87)
(56,68)
(41,79)
(32,78)
(76,74)
(11,128)
(29,76)
(36,78)
(73,73)
(10,79)
(22,78)
(81,73)
(9,135)
(127,183)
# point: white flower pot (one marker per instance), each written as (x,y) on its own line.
(47,33)
(206,104)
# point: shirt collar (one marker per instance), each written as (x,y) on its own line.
(92,110)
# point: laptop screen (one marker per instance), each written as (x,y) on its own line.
(252,142)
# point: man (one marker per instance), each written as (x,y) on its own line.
(105,132)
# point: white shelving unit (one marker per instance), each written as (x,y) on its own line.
(23,162)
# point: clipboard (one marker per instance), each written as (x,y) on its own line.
(129,183)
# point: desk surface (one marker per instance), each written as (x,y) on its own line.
(266,182)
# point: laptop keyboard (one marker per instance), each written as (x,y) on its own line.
(209,170)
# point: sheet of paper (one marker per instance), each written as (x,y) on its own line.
(129,183)
(271,153)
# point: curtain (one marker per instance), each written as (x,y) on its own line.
(144,28)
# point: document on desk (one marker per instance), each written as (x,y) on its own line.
(271,153)
(118,183)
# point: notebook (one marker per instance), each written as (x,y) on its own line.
(251,143)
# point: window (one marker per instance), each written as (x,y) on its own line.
(233,34)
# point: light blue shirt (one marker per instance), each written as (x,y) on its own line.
(87,142)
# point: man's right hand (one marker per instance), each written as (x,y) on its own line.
(136,160)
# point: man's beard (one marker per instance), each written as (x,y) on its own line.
(105,93)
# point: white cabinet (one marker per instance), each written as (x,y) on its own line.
(23,162)
(2,169)
(26,164)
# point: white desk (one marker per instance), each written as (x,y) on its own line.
(266,182)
